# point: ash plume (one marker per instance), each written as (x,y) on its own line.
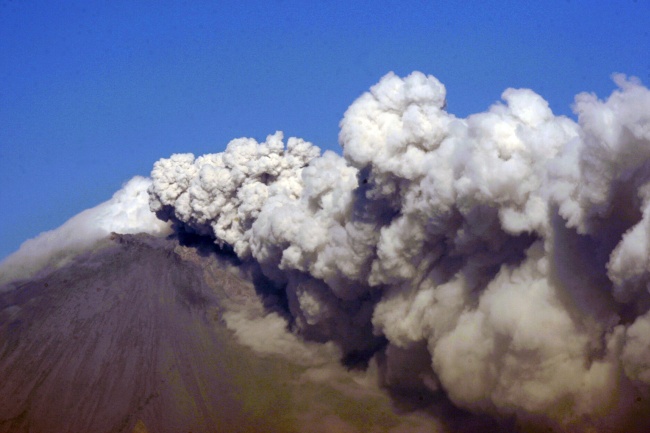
(498,260)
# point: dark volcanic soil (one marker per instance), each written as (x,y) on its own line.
(127,336)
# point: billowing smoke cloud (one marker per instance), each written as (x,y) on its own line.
(501,259)
(126,212)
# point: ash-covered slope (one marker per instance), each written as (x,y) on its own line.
(126,334)
(143,334)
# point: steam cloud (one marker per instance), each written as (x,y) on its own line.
(510,248)
(126,212)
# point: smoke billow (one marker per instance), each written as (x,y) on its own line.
(501,260)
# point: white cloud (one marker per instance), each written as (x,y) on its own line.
(126,212)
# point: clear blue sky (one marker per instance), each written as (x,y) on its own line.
(92,93)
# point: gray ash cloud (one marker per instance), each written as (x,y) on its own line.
(500,259)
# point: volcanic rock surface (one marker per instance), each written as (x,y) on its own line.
(128,337)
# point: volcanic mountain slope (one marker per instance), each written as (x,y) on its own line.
(130,337)
(123,334)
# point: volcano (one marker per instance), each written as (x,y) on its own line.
(124,336)
(479,274)
(130,337)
